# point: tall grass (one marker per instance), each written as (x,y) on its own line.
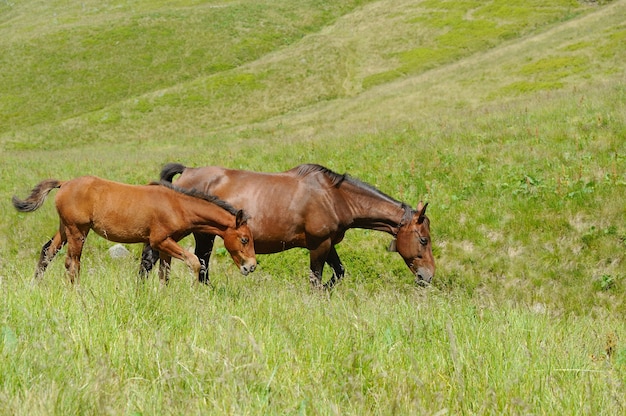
(115,346)
(515,137)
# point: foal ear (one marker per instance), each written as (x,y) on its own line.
(421,211)
(240,218)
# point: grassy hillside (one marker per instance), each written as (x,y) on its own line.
(508,117)
(219,78)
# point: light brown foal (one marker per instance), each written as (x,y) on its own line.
(158,214)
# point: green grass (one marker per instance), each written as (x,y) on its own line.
(232,351)
(461,28)
(47,69)
(507,117)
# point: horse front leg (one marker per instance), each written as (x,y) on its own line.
(48,252)
(204,246)
(317,259)
(339,271)
(165,264)
(149,257)
(168,249)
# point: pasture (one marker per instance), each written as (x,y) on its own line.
(509,118)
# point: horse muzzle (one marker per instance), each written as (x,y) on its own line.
(247,268)
(423,276)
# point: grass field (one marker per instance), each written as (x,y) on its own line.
(509,118)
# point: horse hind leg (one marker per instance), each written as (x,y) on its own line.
(75,241)
(149,257)
(48,252)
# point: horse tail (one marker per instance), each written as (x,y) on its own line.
(37,196)
(171,169)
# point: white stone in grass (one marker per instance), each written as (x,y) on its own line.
(118,251)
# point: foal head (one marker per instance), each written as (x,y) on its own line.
(413,244)
(238,241)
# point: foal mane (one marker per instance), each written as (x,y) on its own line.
(336,180)
(198,194)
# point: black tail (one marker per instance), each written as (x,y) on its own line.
(171,169)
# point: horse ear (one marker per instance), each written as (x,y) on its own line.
(421,211)
(240,219)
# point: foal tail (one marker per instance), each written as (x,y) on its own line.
(37,196)
(170,170)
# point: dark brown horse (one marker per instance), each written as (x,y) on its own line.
(156,214)
(312,207)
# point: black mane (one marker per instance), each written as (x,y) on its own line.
(336,179)
(198,194)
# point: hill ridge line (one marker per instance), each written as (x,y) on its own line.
(520,43)
(389,91)
(381,92)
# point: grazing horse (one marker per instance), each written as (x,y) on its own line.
(309,206)
(158,214)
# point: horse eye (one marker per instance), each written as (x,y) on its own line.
(423,241)
(244,240)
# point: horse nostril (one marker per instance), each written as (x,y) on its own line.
(423,280)
(246,269)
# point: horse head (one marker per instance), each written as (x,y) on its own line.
(414,245)
(239,243)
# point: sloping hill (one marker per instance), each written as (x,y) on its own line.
(584,54)
(65,59)
(136,72)
(507,116)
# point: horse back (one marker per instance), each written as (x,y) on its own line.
(257,192)
(285,209)
(113,210)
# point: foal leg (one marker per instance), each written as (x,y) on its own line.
(204,246)
(169,247)
(338,270)
(165,264)
(75,241)
(48,252)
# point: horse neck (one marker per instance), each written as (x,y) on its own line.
(207,217)
(374,211)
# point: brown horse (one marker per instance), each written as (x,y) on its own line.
(312,207)
(156,214)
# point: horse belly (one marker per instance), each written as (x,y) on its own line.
(121,226)
(269,240)
(272,237)
(274,246)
